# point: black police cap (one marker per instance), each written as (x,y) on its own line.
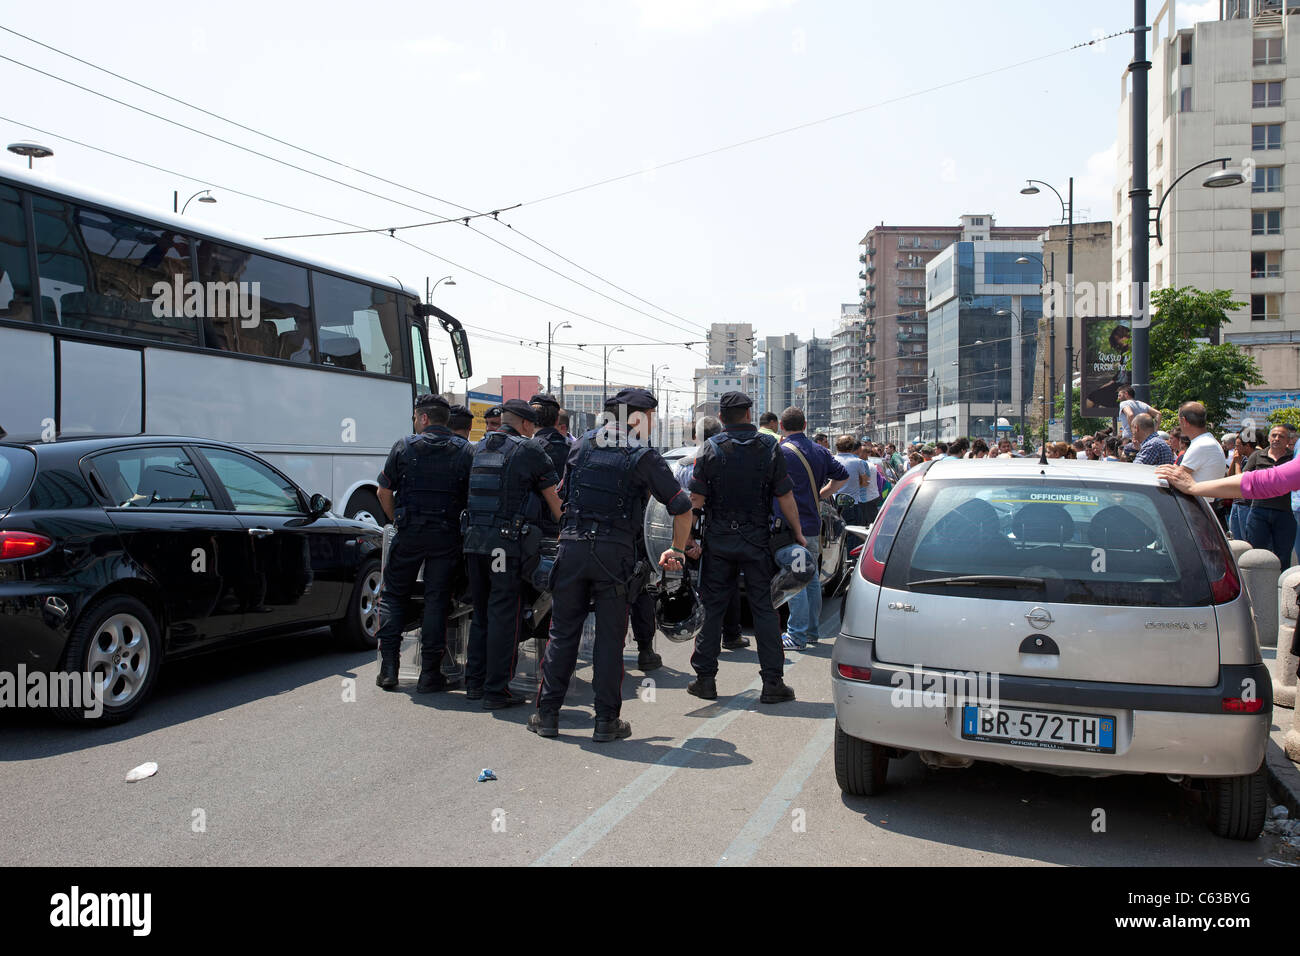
(735,400)
(637,398)
(544,399)
(493,412)
(517,406)
(431,401)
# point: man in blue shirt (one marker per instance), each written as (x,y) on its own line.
(815,474)
(1154,450)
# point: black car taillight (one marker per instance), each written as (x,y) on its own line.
(22,544)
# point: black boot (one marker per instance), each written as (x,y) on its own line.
(735,643)
(705,688)
(776,692)
(544,725)
(387,676)
(612,729)
(648,660)
(431,680)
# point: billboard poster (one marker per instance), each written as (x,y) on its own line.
(480,402)
(1260,403)
(1105,360)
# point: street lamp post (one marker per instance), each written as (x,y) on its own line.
(550,338)
(1067,213)
(1020,336)
(604,387)
(1050,272)
(429,289)
(31,151)
(203,195)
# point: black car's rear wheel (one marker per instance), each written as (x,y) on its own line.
(359,628)
(117,643)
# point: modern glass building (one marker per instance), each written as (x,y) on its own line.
(982,314)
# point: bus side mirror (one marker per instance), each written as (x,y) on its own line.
(460,346)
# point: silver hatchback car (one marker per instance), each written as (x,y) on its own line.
(1066,616)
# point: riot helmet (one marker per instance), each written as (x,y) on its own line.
(795,567)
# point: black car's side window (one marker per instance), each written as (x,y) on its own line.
(152,478)
(253,486)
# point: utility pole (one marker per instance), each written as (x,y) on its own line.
(562,405)
(1140,197)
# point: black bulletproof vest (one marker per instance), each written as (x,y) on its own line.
(557,449)
(435,479)
(496,494)
(600,497)
(740,488)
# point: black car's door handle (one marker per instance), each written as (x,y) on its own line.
(260,532)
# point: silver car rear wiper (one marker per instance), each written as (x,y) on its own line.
(984,580)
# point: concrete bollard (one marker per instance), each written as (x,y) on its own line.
(1239,547)
(1259,573)
(1288,610)
(1291,742)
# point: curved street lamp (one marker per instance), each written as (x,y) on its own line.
(1067,214)
(1220,178)
(550,337)
(203,195)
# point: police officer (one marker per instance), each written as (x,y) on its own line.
(492,419)
(461,421)
(423,490)
(511,481)
(557,447)
(609,472)
(737,474)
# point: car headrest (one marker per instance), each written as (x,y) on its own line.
(1043,521)
(1120,529)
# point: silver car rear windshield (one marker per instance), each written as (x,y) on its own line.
(1048,540)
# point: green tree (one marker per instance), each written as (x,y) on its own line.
(1183,370)
(1285,416)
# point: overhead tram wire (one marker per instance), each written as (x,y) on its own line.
(235,123)
(817,122)
(322,216)
(529,295)
(215,137)
(342,165)
(543,265)
(447,202)
(517,231)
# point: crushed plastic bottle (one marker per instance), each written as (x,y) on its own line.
(486,774)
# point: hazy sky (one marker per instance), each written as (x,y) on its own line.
(495,103)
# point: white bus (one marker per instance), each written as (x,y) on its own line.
(117,320)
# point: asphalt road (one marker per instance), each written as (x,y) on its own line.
(262,761)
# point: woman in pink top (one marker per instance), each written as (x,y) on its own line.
(1262,483)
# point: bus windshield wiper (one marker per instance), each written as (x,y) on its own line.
(983,580)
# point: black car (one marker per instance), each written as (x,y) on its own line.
(118,553)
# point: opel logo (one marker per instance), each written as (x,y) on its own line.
(1039,618)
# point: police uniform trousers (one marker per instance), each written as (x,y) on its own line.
(588,572)
(727,556)
(439,551)
(498,617)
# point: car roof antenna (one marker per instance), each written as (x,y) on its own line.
(1042,460)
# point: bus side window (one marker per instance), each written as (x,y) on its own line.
(15,276)
(102,273)
(359,326)
(255,305)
